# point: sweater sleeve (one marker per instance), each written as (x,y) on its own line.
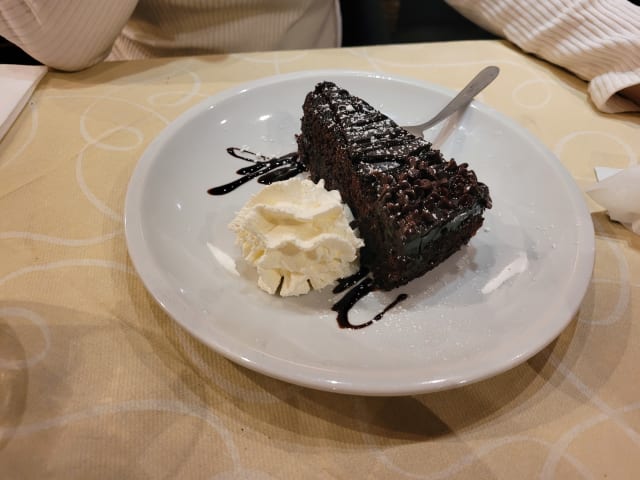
(64,34)
(598,40)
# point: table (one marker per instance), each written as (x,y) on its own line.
(97,382)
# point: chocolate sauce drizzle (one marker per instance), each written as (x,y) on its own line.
(360,290)
(270,170)
(266,170)
(342,306)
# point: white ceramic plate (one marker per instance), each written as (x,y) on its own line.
(494,304)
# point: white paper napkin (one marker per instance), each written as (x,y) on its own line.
(619,192)
(17,83)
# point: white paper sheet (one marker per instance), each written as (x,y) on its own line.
(17,83)
(619,192)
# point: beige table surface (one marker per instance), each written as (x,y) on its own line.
(97,382)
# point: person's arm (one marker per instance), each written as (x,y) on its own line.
(64,34)
(597,40)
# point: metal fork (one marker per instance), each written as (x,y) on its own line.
(461,100)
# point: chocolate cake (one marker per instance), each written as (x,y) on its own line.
(413,207)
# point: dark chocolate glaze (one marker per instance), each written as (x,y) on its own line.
(399,298)
(266,170)
(343,305)
(351,280)
(357,292)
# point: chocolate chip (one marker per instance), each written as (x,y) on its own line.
(427,217)
(465,200)
(445,203)
(425,185)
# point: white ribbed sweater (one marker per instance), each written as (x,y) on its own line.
(74,34)
(598,40)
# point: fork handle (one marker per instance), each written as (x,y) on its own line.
(464,97)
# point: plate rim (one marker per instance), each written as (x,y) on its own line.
(264,363)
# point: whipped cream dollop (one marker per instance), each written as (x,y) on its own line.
(297,235)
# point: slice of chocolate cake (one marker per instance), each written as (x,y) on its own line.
(413,207)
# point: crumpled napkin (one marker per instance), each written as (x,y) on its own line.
(17,83)
(619,193)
